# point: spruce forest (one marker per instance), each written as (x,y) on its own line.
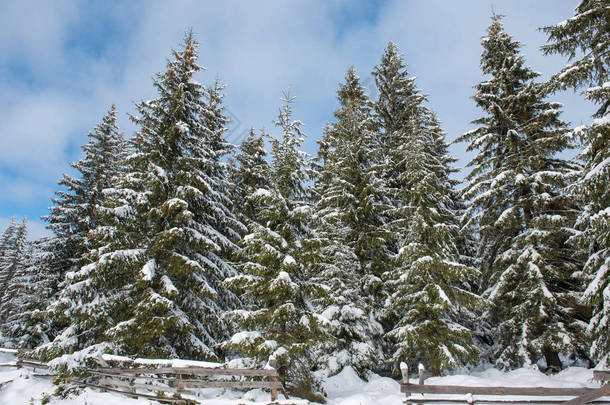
(174,243)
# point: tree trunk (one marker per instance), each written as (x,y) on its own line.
(553,364)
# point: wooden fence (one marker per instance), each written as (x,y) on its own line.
(582,395)
(178,380)
(164,383)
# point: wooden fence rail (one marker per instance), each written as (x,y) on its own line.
(178,380)
(165,384)
(582,395)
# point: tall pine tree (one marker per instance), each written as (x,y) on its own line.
(251,174)
(585,40)
(348,235)
(13,252)
(429,289)
(522,216)
(155,288)
(76,209)
(27,326)
(276,319)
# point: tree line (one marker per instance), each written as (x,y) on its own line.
(174,243)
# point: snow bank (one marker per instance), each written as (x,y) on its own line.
(346,388)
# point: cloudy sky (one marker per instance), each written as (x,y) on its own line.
(63,63)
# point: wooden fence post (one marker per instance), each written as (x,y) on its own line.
(273,364)
(420,381)
(404,370)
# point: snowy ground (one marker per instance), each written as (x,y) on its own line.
(343,389)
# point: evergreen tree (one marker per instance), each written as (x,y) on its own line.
(13,253)
(13,250)
(399,102)
(26,325)
(289,163)
(276,319)
(523,218)
(585,40)
(7,253)
(368,208)
(252,173)
(76,210)
(347,234)
(430,290)
(155,288)
(74,217)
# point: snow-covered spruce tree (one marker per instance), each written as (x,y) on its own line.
(6,258)
(75,210)
(252,173)
(522,216)
(6,252)
(430,289)
(75,215)
(345,191)
(190,229)
(103,293)
(276,319)
(14,249)
(14,260)
(398,103)
(587,34)
(27,326)
(367,213)
(155,288)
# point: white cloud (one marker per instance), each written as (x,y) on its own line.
(58,93)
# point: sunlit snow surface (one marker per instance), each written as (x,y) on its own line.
(346,388)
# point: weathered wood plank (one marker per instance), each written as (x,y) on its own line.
(190,371)
(495,400)
(197,383)
(590,396)
(156,398)
(31,364)
(45,375)
(149,387)
(456,389)
(136,376)
(233,384)
(601,375)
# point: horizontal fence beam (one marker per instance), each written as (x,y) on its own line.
(233,384)
(457,389)
(494,401)
(200,384)
(149,387)
(246,372)
(32,364)
(216,383)
(590,396)
(601,375)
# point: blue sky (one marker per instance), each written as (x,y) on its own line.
(63,63)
